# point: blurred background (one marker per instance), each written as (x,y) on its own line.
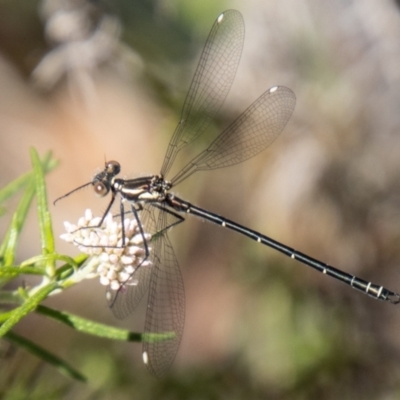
(96,80)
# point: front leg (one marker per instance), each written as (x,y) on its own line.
(98,225)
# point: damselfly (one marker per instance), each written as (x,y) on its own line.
(156,209)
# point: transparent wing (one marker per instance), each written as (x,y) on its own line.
(252,132)
(123,301)
(166,308)
(211,82)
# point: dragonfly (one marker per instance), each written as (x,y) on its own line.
(156,209)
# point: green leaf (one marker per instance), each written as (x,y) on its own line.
(29,305)
(94,328)
(52,258)
(46,229)
(89,327)
(66,270)
(13,271)
(9,245)
(5,316)
(8,191)
(158,337)
(45,355)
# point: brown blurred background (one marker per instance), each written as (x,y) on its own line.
(95,80)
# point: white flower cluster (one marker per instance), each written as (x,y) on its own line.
(116,261)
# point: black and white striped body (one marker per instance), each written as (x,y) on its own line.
(376,291)
(154,189)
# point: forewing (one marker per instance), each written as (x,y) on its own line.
(211,82)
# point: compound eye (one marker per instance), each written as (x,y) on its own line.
(113,167)
(100,188)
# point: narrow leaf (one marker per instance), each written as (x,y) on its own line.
(46,230)
(8,247)
(13,271)
(5,316)
(45,355)
(50,257)
(13,187)
(89,327)
(29,305)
